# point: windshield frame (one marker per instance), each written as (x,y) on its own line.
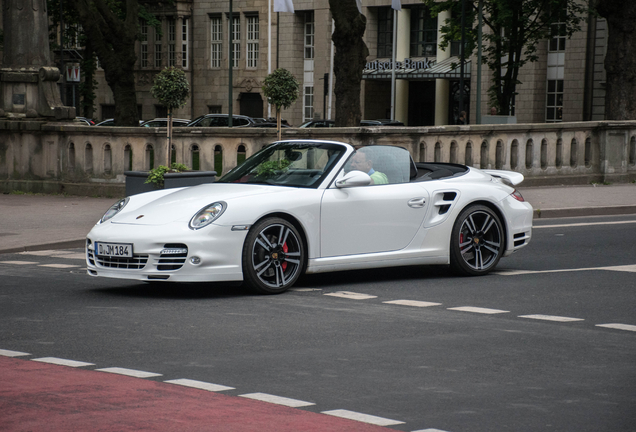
(247,172)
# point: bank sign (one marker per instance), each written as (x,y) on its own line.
(406,64)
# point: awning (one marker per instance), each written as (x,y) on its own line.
(446,69)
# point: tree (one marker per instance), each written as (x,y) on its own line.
(281,90)
(112,28)
(515,29)
(349,59)
(172,89)
(620,60)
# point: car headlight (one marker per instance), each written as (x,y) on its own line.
(207,215)
(114,209)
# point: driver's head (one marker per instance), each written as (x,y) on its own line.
(360,162)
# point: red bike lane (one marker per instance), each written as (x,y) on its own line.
(38,396)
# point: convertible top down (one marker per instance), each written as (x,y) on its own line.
(307,206)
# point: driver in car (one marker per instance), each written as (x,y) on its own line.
(362,162)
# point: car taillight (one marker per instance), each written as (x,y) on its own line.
(517,195)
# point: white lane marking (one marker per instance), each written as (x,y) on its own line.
(305,289)
(62,362)
(49,253)
(631,268)
(19,262)
(60,266)
(9,353)
(351,295)
(430,430)
(414,303)
(129,372)
(279,400)
(551,318)
(617,326)
(583,224)
(365,418)
(478,310)
(199,384)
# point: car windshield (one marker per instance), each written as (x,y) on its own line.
(296,164)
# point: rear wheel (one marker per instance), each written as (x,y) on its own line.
(477,241)
(273,256)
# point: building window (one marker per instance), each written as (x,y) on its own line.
(172,39)
(144,44)
(216,33)
(423,33)
(184,43)
(308,103)
(556,69)
(385,32)
(158,50)
(309,35)
(252,42)
(236,41)
(215,109)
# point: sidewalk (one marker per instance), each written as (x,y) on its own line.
(40,222)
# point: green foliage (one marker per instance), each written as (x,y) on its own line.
(155,175)
(171,88)
(272,168)
(281,88)
(514,30)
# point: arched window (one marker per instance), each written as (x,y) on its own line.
(468,156)
(218,160)
(108,159)
(529,154)
(514,155)
(588,152)
(559,154)
(422,152)
(150,157)
(483,156)
(88,158)
(499,155)
(128,158)
(194,154)
(240,155)
(454,150)
(544,154)
(632,151)
(438,152)
(71,156)
(574,153)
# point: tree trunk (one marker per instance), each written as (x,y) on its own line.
(349,60)
(113,40)
(620,60)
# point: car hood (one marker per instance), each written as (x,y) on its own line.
(184,203)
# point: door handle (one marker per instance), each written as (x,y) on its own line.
(417,202)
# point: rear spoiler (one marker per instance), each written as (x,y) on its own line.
(510,177)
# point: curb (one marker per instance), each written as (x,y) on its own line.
(66,244)
(584,211)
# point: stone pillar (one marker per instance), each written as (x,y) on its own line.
(28,83)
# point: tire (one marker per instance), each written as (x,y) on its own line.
(477,241)
(273,256)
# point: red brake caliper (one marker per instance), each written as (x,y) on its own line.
(284,263)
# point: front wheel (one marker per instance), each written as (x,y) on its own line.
(273,256)
(477,241)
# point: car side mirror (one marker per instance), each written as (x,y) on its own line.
(354,178)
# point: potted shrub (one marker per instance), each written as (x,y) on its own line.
(281,90)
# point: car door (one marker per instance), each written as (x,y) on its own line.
(373,218)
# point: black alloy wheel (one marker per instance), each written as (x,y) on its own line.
(273,256)
(477,241)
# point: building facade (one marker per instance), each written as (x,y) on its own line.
(565,84)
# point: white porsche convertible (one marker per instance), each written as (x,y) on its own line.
(309,207)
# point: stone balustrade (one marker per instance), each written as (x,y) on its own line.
(560,153)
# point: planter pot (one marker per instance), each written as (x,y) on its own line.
(136,180)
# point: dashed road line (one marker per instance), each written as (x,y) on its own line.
(9,353)
(351,295)
(60,266)
(129,372)
(199,384)
(62,362)
(413,303)
(478,310)
(618,326)
(19,262)
(365,418)
(551,318)
(279,400)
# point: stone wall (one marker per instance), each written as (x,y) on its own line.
(563,153)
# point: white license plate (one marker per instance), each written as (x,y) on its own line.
(114,249)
